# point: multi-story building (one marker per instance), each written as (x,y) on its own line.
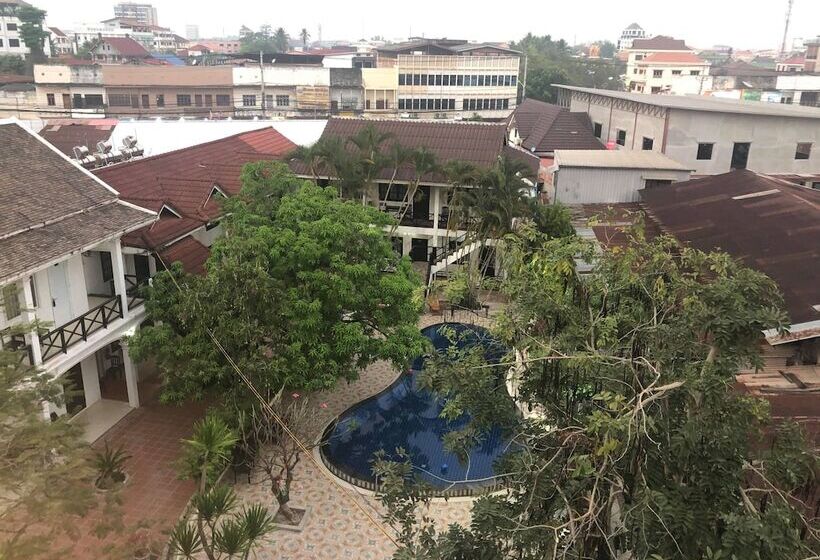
(346,90)
(800,89)
(794,63)
(199,91)
(706,134)
(10,41)
(812,55)
(297,86)
(70,90)
(630,33)
(146,14)
(59,42)
(221,46)
(448,78)
(676,73)
(62,264)
(152,37)
(118,50)
(192,32)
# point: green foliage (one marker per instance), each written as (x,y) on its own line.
(551,62)
(206,454)
(31,30)
(253,42)
(12,64)
(46,469)
(636,444)
(110,465)
(304,289)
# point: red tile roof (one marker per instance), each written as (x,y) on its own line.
(184,180)
(660,43)
(66,135)
(189,252)
(672,58)
(126,46)
(770,224)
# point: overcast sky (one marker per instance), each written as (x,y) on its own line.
(702,23)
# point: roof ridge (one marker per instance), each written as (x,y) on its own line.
(420,121)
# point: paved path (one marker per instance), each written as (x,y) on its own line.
(335,529)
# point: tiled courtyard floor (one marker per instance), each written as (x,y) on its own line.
(335,528)
(153,496)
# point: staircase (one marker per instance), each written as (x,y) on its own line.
(464,247)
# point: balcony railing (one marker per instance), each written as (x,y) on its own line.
(133,290)
(63,337)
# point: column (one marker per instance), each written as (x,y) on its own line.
(31,318)
(91,380)
(131,376)
(436,213)
(118,266)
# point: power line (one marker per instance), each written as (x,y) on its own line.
(268,409)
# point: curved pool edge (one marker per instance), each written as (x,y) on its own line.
(367,488)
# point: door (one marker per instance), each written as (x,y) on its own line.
(141,268)
(60,301)
(418,250)
(75,391)
(66,101)
(740,155)
(421,204)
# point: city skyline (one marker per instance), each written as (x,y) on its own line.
(702,24)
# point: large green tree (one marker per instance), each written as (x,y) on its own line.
(304,289)
(32,32)
(632,442)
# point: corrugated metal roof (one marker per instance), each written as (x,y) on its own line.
(770,224)
(544,128)
(702,103)
(617,159)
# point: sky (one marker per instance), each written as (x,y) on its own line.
(742,24)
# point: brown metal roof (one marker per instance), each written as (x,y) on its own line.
(126,46)
(189,252)
(544,128)
(50,207)
(660,43)
(66,136)
(167,76)
(478,143)
(769,224)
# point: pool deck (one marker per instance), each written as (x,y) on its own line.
(335,528)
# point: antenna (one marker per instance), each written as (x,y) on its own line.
(786,28)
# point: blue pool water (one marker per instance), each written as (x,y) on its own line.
(406,416)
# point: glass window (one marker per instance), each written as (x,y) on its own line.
(160,100)
(145,101)
(437,105)
(460,80)
(119,99)
(50,99)
(401,104)
(198,100)
(621,137)
(438,79)
(452,79)
(694,73)
(676,72)
(416,104)
(492,103)
(11,26)
(283,100)
(474,80)
(507,80)
(803,150)
(416,79)
(597,129)
(424,79)
(506,103)
(657,73)
(223,100)
(465,104)
(249,101)
(481,80)
(452,104)
(705,150)
(495,80)
(445,80)
(402,80)
(14,42)
(513,80)
(183,100)
(647,143)
(209,100)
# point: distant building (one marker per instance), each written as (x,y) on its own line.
(221,46)
(192,32)
(541,128)
(59,42)
(116,50)
(10,41)
(706,134)
(73,89)
(812,63)
(633,31)
(800,89)
(665,65)
(794,63)
(146,14)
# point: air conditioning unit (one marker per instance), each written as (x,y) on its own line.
(129,142)
(104,147)
(80,152)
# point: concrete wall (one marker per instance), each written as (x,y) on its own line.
(282,76)
(584,185)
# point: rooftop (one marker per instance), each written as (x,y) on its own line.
(703,103)
(660,43)
(770,224)
(184,181)
(544,127)
(130,75)
(126,46)
(51,207)
(672,58)
(617,159)
(65,135)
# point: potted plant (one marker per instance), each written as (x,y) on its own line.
(110,465)
(142,545)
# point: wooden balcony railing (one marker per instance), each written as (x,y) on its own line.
(65,336)
(133,290)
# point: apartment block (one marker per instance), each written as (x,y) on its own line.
(10,41)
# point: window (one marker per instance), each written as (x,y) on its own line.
(424,79)
(14,42)
(50,99)
(223,100)
(705,150)
(183,100)
(621,137)
(653,183)
(145,103)
(507,80)
(416,79)
(638,57)
(438,79)
(249,101)
(401,104)
(209,100)
(1,42)
(676,72)
(106,266)
(198,100)
(495,80)
(740,155)
(513,80)
(803,150)
(160,100)
(11,301)
(481,80)
(11,26)
(474,80)
(402,80)
(647,143)
(597,129)
(283,100)
(657,73)
(119,99)
(460,80)
(694,73)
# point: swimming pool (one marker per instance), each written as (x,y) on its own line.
(406,416)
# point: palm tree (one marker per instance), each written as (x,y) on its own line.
(399,156)
(424,162)
(369,155)
(310,156)
(459,174)
(280,40)
(304,35)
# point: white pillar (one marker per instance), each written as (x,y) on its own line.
(31,317)
(436,213)
(131,377)
(406,245)
(91,380)
(118,266)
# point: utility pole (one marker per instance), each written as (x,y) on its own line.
(262,81)
(786,28)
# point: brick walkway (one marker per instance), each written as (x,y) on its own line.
(153,496)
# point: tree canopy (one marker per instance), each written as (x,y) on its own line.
(304,289)
(31,30)
(633,442)
(551,62)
